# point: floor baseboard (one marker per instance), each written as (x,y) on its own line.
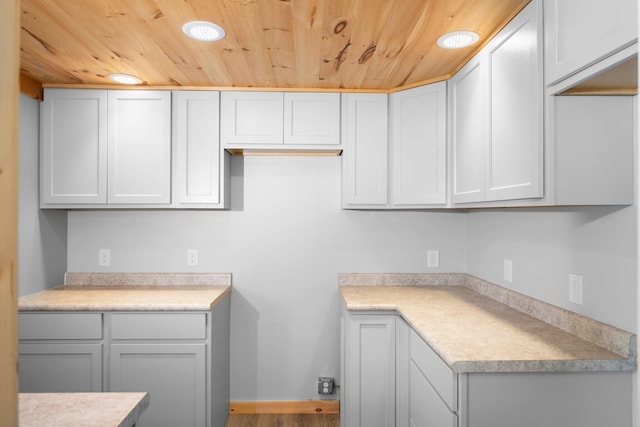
(285,407)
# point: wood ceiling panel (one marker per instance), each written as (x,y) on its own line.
(327,44)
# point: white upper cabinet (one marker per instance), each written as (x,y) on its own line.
(132,149)
(276,120)
(593,149)
(497,116)
(468,124)
(139,140)
(514,163)
(251,118)
(365,156)
(418,146)
(104,148)
(199,165)
(402,167)
(312,118)
(73,147)
(579,33)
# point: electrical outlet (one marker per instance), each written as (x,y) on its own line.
(575,289)
(433,258)
(508,270)
(326,385)
(192,257)
(104,257)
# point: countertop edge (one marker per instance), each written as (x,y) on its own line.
(618,341)
(206,303)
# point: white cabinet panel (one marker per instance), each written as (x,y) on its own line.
(139,147)
(105,147)
(251,118)
(365,157)
(418,146)
(174,375)
(514,163)
(497,116)
(280,121)
(425,405)
(60,367)
(73,147)
(312,118)
(370,373)
(593,138)
(578,33)
(198,166)
(467,92)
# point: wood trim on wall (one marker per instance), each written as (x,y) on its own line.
(31,87)
(285,407)
(9,125)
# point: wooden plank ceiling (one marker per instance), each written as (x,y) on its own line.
(323,44)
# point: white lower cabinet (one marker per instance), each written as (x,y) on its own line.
(61,366)
(61,352)
(425,392)
(370,376)
(180,358)
(174,375)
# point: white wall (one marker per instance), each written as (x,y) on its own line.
(285,240)
(546,245)
(42,235)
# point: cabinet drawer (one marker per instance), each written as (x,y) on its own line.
(60,326)
(441,377)
(158,326)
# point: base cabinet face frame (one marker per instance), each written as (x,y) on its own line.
(196,357)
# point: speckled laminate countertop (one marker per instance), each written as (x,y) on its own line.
(475,326)
(132,292)
(81,409)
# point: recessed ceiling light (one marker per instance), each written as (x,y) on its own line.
(126,79)
(203,30)
(457,39)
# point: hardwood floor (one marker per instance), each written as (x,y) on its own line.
(283,420)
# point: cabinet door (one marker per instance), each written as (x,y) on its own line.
(312,118)
(60,367)
(174,374)
(73,147)
(365,155)
(580,32)
(370,373)
(418,145)
(251,118)
(197,162)
(139,147)
(514,156)
(468,113)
